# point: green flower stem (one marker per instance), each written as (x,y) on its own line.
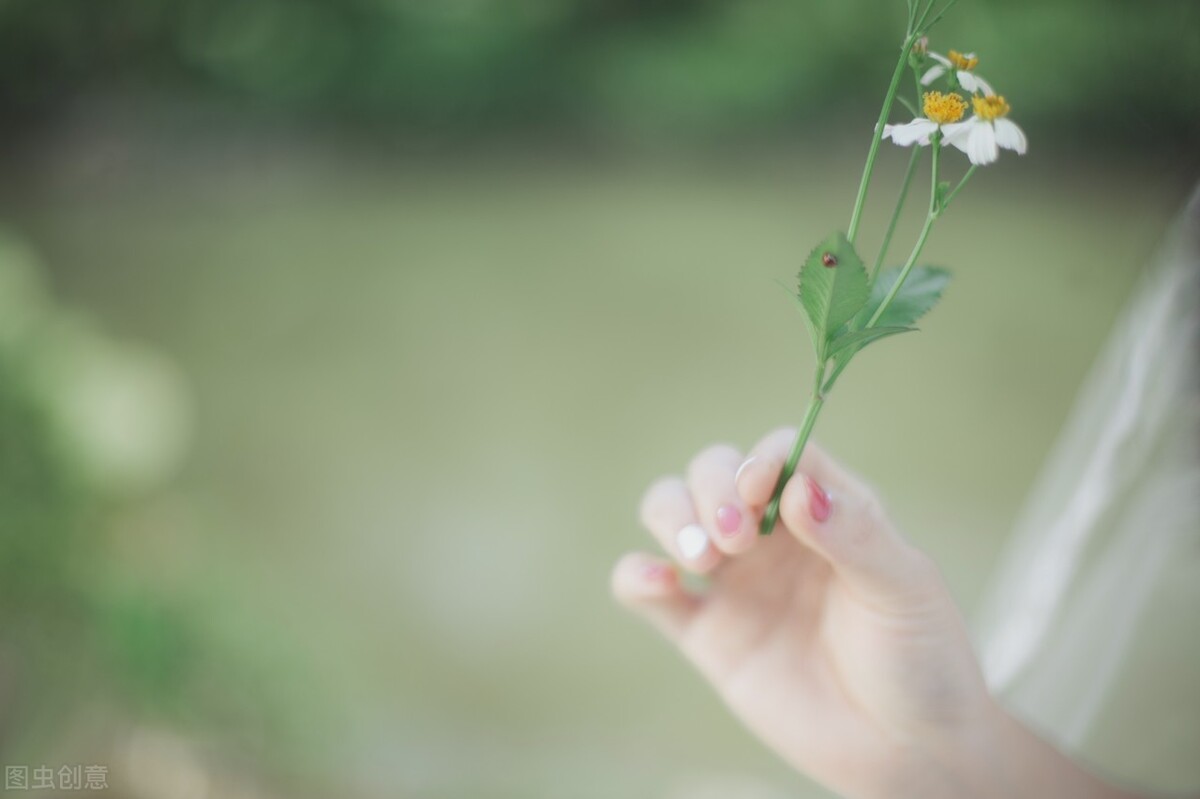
(821,386)
(861,200)
(961,183)
(891,228)
(925,14)
(937,204)
(815,403)
(934,211)
(908,265)
(927,25)
(908,176)
(833,377)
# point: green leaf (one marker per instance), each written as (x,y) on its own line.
(921,290)
(833,288)
(847,344)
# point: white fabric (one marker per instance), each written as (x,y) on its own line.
(1092,629)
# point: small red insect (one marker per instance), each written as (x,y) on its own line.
(829,259)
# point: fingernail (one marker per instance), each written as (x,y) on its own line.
(692,541)
(819,504)
(656,571)
(742,468)
(729,519)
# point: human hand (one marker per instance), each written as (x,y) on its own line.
(834,639)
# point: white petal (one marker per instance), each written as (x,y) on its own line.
(984,87)
(981,144)
(941,59)
(973,83)
(916,132)
(957,133)
(1010,137)
(933,74)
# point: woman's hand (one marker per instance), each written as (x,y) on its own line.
(833,639)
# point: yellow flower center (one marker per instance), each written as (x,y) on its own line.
(990,108)
(944,108)
(961,61)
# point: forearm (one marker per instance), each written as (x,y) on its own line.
(1005,759)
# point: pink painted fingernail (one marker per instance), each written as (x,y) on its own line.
(729,519)
(819,504)
(656,571)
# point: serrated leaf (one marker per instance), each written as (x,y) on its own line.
(833,288)
(849,343)
(921,290)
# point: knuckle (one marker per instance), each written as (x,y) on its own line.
(758,483)
(780,438)
(710,457)
(815,449)
(656,497)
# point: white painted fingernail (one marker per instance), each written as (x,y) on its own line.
(742,468)
(692,541)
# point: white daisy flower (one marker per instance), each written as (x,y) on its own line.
(941,111)
(963,65)
(982,136)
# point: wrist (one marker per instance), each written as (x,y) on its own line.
(973,761)
(996,756)
(968,758)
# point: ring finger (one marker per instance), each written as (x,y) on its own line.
(668,512)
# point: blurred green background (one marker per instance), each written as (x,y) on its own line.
(338,340)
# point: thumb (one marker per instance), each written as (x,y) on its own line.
(841,519)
